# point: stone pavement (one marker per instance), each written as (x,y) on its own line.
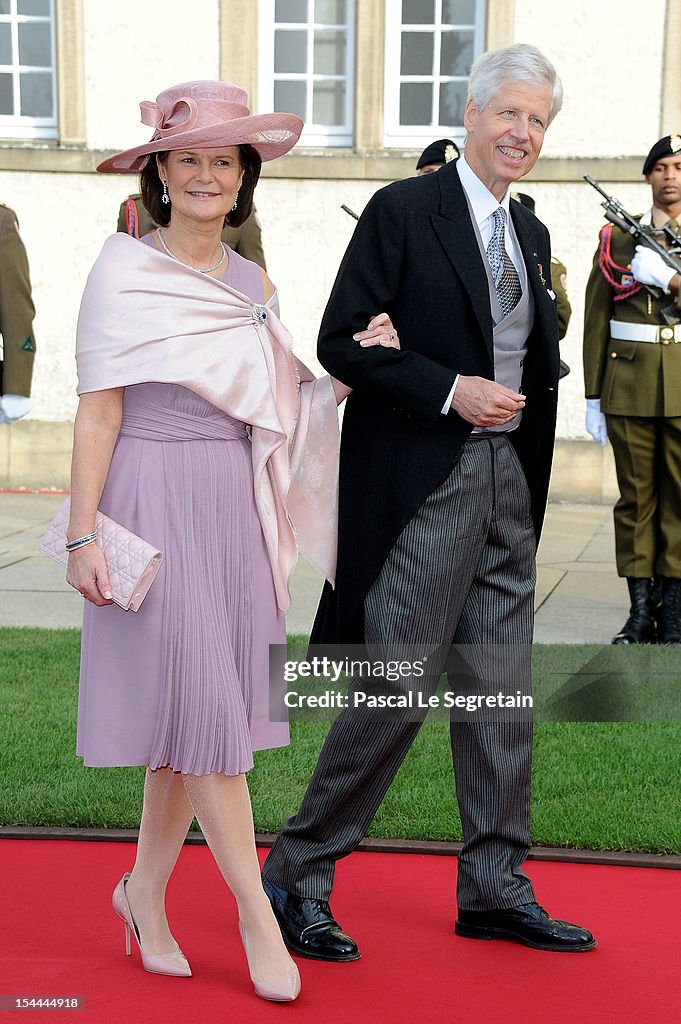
(580,598)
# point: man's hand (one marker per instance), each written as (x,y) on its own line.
(648,267)
(484,403)
(595,421)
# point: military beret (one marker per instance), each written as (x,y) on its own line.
(524,199)
(667,146)
(440,152)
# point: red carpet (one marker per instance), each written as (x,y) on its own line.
(60,937)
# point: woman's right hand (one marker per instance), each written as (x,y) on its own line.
(98,422)
(87,573)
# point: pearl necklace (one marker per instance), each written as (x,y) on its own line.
(205,270)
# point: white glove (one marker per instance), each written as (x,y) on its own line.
(595,421)
(648,267)
(13,407)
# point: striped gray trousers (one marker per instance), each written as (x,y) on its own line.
(463,572)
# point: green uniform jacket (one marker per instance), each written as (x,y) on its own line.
(16,310)
(563,307)
(246,239)
(631,378)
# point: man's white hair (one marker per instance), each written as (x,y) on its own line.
(518,63)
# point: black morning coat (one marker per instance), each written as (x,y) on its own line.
(414,255)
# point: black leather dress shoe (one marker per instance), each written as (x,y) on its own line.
(529,924)
(308,926)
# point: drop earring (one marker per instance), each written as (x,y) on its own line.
(165,198)
(236,199)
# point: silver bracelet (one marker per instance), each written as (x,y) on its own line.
(80,542)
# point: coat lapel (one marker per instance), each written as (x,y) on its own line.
(537,265)
(544,336)
(454,228)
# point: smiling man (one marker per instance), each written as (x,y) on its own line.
(445,462)
(632,375)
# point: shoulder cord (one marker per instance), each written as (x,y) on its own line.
(131,218)
(610,269)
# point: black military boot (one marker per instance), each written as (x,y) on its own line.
(656,594)
(668,613)
(640,626)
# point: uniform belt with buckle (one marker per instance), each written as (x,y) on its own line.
(622,331)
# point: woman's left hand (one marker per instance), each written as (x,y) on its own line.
(380,331)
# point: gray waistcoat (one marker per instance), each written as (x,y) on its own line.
(511,333)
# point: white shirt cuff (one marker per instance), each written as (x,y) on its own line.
(446,407)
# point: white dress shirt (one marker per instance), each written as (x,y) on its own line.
(483,205)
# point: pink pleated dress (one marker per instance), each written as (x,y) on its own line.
(184,682)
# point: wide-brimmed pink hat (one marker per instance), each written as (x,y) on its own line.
(206,115)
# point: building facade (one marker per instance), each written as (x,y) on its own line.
(375,81)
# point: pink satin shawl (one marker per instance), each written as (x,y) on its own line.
(145,317)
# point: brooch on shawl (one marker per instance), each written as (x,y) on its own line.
(259,314)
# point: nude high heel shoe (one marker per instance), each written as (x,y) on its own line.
(282,988)
(174,964)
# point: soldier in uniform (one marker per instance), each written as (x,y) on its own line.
(16,321)
(134,219)
(632,376)
(436,155)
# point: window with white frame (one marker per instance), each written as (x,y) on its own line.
(306,62)
(430,46)
(28,102)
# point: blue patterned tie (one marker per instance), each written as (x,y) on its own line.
(504,274)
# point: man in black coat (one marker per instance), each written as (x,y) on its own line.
(445,462)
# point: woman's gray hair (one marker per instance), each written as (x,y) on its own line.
(518,63)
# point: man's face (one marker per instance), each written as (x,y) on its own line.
(665,181)
(505,137)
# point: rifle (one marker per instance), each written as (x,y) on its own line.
(353,214)
(616,214)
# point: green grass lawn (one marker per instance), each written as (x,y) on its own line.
(601,785)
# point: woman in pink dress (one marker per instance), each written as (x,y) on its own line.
(198,430)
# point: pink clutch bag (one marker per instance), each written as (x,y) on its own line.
(131,561)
